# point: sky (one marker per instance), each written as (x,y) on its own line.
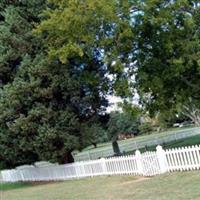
(114,100)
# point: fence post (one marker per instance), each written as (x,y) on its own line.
(89,158)
(4,175)
(136,147)
(103,164)
(161,159)
(75,166)
(139,162)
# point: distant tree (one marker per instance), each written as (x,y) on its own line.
(145,128)
(121,122)
(133,110)
(170,117)
(94,133)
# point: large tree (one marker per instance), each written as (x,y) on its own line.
(93,39)
(38,120)
(62,82)
(168,65)
(17,20)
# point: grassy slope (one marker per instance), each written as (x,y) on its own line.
(13,186)
(139,138)
(174,186)
(184,142)
(195,140)
(181,142)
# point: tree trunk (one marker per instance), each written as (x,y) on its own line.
(67,158)
(192,112)
(95,144)
(115,146)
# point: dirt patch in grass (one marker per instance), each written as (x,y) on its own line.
(138,179)
(44,182)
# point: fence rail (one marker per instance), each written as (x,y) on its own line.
(137,144)
(146,164)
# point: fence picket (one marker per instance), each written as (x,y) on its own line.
(195,157)
(180,159)
(198,156)
(187,159)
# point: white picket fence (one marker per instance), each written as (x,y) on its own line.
(146,164)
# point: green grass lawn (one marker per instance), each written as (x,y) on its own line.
(13,186)
(139,138)
(130,145)
(174,186)
(195,140)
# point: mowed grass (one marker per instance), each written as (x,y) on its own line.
(141,138)
(195,140)
(190,141)
(12,186)
(174,186)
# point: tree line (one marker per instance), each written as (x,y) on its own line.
(59,59)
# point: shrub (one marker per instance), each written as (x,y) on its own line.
(145,128)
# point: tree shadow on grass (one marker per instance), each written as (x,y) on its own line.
(13,186)
(20,185)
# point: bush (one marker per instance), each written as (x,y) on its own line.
(145,128)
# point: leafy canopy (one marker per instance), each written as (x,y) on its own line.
(91,34)
(167,36)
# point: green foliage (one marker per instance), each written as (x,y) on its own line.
(95,36)
(94,133)
(56,77)
(145,128)
(38,124)
(122,123)
(16,24)
(131,109)
(168,118)
(168,53)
